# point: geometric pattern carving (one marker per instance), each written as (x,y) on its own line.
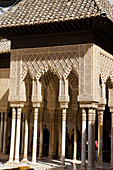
(106,66)
(5,46)
(60,63)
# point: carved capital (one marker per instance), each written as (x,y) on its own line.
(91,115)
(5,116)
(19,110)
(83,115)
(13,113)
(100,117)
(2,116)
(64,115)
(36,113)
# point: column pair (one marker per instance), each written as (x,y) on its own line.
(91,139)
(11,157)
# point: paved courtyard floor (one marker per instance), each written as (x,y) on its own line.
(47,164)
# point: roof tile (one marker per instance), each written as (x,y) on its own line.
(41,11)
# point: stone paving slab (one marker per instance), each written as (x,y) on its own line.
(48,164)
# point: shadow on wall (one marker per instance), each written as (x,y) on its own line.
(4,100)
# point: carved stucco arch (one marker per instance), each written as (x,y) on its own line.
(60,63)
(106,65)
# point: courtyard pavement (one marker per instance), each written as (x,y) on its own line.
(47,164)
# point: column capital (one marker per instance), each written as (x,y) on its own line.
(2,116)
(88,105)
(63,105)
(36,105)
(83,115)
(101,106)
(91,114)
(17,104)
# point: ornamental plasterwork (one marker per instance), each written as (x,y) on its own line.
(5,46)
(106,65)
(60,63)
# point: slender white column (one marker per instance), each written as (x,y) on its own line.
(26,139)
(111,138)
(75,137)
(50,139)
(18,135)
(53,134)
(63,136)
(100,138)
(5,129)
(1,133)
(22,139)
(35,135)
(12,135)
(59,135)
(83,151)
(91,118)
(41,135)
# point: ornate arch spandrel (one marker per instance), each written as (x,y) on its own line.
(59,60)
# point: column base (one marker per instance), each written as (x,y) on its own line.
(75,161)
(40,157)
(90,168)
(16,161)
(83,168)
(34,162)
(25,160)
(9,163)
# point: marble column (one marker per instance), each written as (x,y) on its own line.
(34,152)
(41,135)
(50,138)
(26,138)
(75,137)
(53,134)
(63,136)
(18,134)
(100,138)
(111,138)
(59,135)
(5,130)
(83,151)
(11,156)
(1,132)
(91,140)
(22,139)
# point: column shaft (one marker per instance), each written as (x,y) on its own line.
(91,118)
(41,135)
(83,151)
(12,135)
(50,139)
(34,152)
(75,138)
(18,135)
(26,138)
(53,135)
(1,133)
(59,135)
(22,139)
(100,138)
(63,136)
(5,129)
